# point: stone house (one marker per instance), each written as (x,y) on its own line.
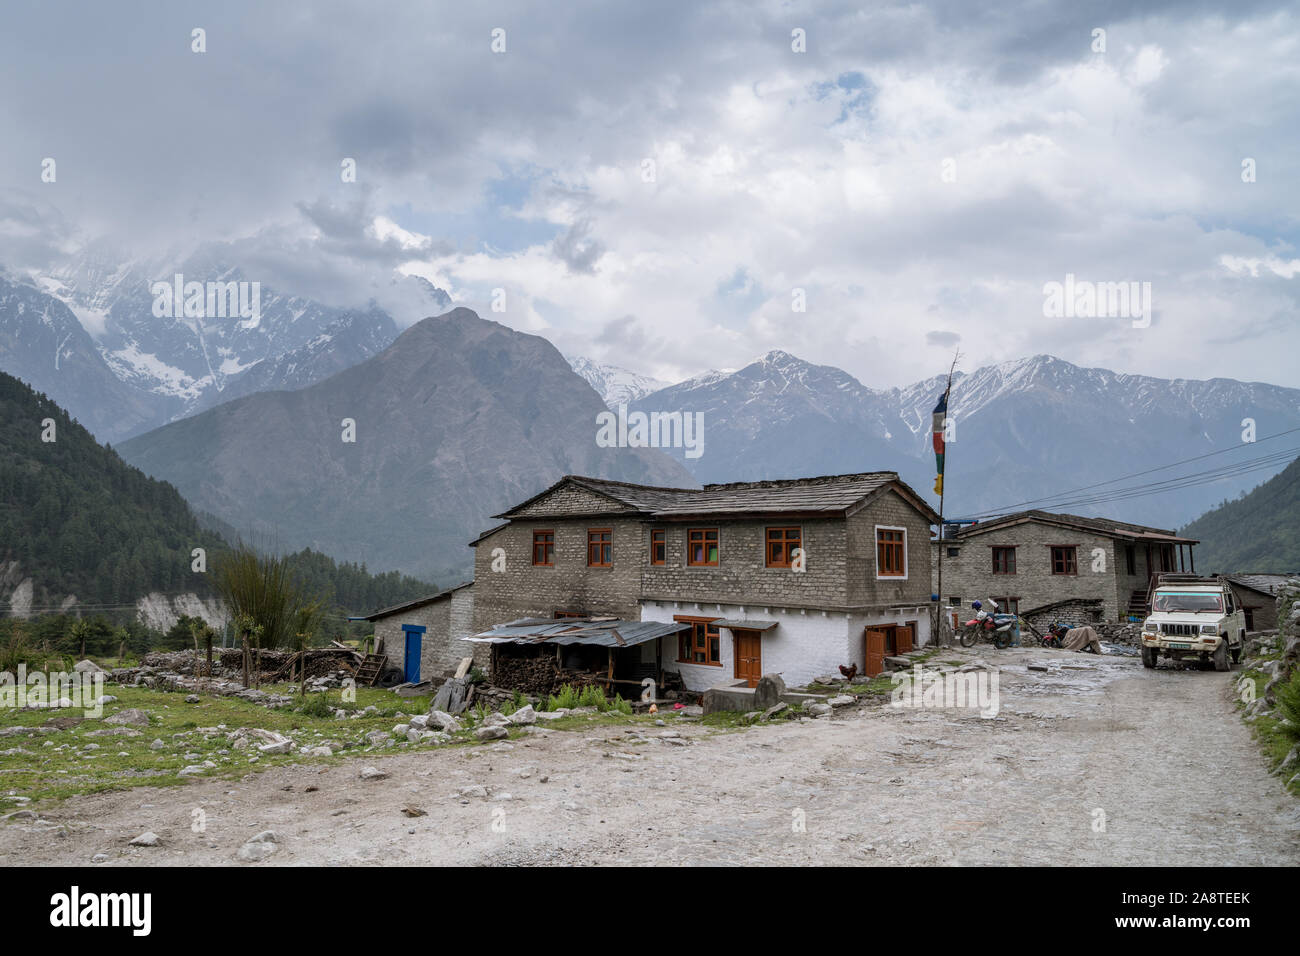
(1032,559)
(422,638)
(1257,595)
(793,577)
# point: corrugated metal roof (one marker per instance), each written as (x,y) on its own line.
(746,625)
(598,633)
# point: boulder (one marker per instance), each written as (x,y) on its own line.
(843,700)
(133,716)
(524,715)
(769,691)
(252,852)
(148,838)
(88,667)
(491,732)
(818,710)
(372,773)
(443,721)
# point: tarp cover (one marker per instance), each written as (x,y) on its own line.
(1078,638)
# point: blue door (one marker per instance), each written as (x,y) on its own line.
(414,641)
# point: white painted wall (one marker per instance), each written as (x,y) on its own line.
(799,648)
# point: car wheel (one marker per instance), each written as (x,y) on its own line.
(1149,657)
(1221,656)
(1236,654)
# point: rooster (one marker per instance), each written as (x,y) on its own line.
(849,672)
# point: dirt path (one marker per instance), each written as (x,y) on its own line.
(1161,754)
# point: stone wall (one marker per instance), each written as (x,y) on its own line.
(970,576)
(742,575)
(865,588)
(446,621)
(525,590)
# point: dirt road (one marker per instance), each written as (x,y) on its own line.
(1094,762)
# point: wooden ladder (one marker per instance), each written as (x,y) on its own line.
(371,668)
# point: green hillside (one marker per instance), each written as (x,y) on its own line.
(78,520)
(1260,531)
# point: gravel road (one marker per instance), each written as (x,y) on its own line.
(1093,762)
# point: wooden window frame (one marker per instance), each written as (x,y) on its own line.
(604,547)
(699,638)
(1004,604)
(704,539)
(902,545)
(785,541)
(565,615)
(658,539)
(548,549)
(994,549)
(1073,550)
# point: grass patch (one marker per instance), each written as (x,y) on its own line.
(52,766)
(1273,737)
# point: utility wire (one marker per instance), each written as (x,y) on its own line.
(1137,474)
(1207,476)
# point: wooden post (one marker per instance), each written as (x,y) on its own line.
(941,619)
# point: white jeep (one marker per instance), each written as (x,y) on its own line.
(1193,617)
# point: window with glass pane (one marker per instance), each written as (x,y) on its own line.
(600,548)
(781,543)
(702,546)
(543,548)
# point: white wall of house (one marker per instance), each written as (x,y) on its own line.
(802,645)
(858,623)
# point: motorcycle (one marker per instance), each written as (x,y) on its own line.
(994,628)
(1055,635)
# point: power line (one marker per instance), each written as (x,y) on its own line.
(1207,476)
(1137,474)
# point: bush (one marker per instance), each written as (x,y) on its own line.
(316,706)
(1288,704)
(593,696)
(621,705)
(566,699)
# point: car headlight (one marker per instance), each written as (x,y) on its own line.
(1209,629)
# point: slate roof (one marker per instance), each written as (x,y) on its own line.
(1264,583)
(412,605)
(1106,526)
(829,494)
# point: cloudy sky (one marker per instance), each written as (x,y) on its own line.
(652,183)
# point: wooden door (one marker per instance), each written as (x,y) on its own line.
(749,656)
(906,636)
(875,650)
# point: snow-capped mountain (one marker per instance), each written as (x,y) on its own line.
(1025,429)
(172,360)
(617,386)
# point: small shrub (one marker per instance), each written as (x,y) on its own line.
(316,706)
(621,706)
(593,696)
(476,675)
(1288,704)
(566,699)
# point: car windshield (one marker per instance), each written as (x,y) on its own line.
(1186,601)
